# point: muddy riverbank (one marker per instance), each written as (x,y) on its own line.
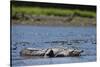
(71,20)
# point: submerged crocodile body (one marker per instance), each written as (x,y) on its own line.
(50,52)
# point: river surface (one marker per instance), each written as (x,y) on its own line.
(27,36)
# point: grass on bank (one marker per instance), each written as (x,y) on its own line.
(51,11)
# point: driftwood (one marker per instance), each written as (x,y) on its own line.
(50,52)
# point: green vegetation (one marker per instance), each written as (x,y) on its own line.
(52,16)
(51,11)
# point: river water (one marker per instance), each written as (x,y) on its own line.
(28,36)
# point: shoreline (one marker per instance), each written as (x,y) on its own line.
(51,25)
(43,20)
